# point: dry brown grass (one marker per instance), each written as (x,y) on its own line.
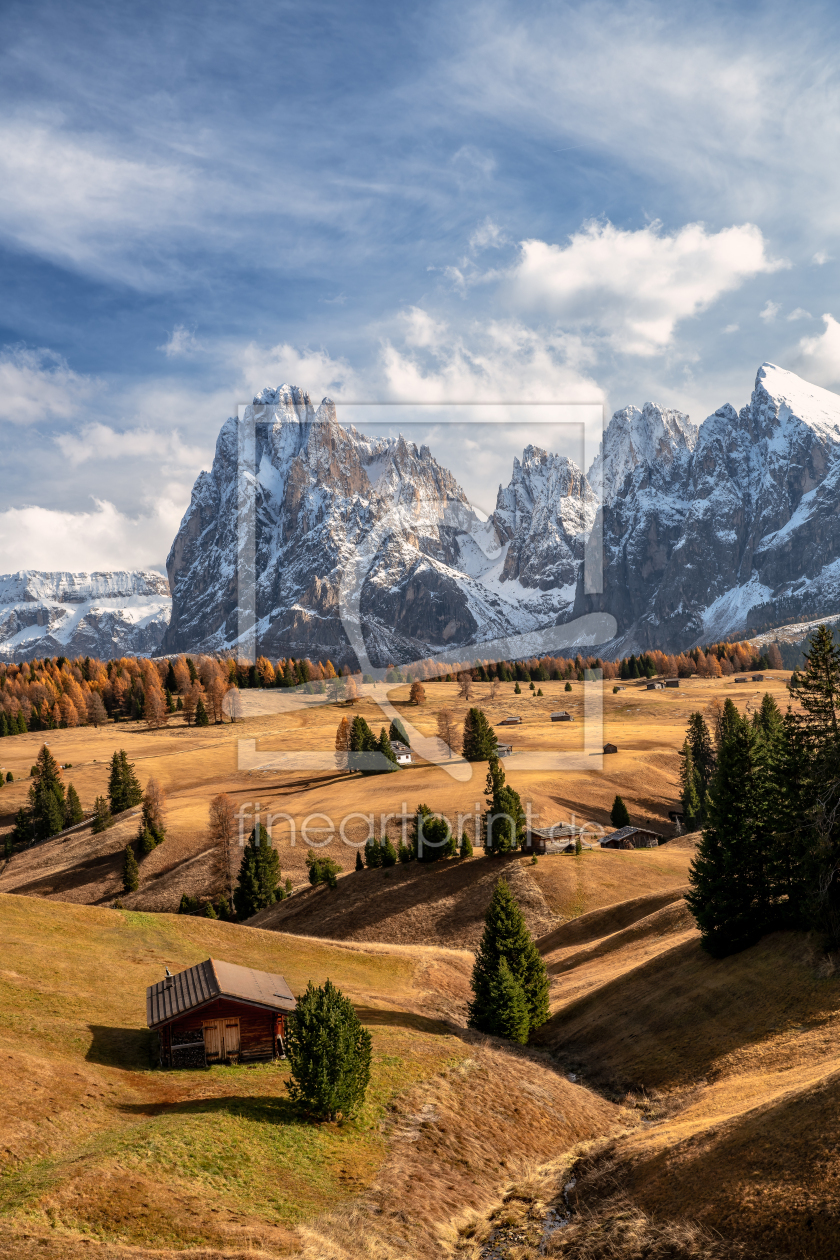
(193,765)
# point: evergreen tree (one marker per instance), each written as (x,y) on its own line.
(329,1052)
(360,866)
(146,841)
(506,936)
(568,687)
(480,743)
(363,742)
(509,1015)
(432,836)
(732,899)
(405,853)
(619,816)
(73,812)
(124,789)
(210,911)
(465,850)
(504,821)
(131,874)
(259,875)
(389,854)
(692,808)
(201,717)
(373,854)
(384,746)
(101,815)
(322,870)
(517,691)
(171,680)
(398,732)
(45,812)
(819,694)
(702,751)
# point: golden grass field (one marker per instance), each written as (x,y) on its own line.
(694,1102)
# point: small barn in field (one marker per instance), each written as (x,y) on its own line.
(218,1012)
(631,838)
(560,715)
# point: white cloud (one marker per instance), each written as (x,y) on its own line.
(38,385)
(633,287)
(181,343)
(313,370)
(100,442)
(488,235)
(819,356)
(731,328)
(769,311)
(105,538)
(799,313)
(820,258)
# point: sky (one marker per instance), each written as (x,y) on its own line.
(432,204)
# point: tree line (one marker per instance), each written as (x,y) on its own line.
(764,789)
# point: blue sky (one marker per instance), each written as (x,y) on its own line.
(622,201)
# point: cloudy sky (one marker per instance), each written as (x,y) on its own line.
(431,203)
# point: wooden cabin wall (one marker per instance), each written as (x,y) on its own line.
(256,1026)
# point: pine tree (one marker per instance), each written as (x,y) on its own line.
(508,1005)
(506,936)
(73,812)
(342,744)
(568,687)
(504,821)
(360,866)
(146,841)
(101,815)
(389,854)
(465,850)
(210,911)
(397,732)
(692,807)
(732,898)
(432,836)
(480,743)
(259,875)
(124,789)
(619,817)
(373,854)
(384,745)
(131,874)
(517,691)
(201,717)
(329,1052)
(45,813)
(702,751)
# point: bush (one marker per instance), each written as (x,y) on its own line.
(517,691)
(568,687)
(329,1052)
(322,870)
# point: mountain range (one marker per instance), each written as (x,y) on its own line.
(307,538)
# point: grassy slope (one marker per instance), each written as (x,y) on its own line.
(194,764)
(736,1062)
(96,1146)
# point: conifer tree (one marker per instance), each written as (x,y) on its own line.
(432,836)
(373,854)
(342,744)
(465,849)
(509,1016)
(506,936)
(131,874)
(259,875)
(124,789)
(45,812)
(73,812)
(101,815)
(384,745)
(389,853)
(398,732)
(504,821)
(702,751)
(619,817)
(201,716)
(146,841)
(692,807)
(329,1052)
(480,743)
(210,911)
(417,695)
(360,866)
(732,897)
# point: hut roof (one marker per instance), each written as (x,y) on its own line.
(212,979)
(624,833)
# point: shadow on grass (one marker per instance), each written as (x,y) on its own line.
(374,1017)
(120,1047)
(266,1108)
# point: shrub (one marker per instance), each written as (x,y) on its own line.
(568,687)
(329,1052)
(322,870)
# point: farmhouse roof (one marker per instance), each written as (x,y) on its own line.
(212,979)
(624,832)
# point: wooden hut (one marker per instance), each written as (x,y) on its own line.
(510,720)
(672,682)
(217,1012)
(560,715)
(610,748)
(631,838)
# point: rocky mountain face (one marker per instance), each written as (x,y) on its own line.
(352,541)
(82,614)
(733,527)
(321,542)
